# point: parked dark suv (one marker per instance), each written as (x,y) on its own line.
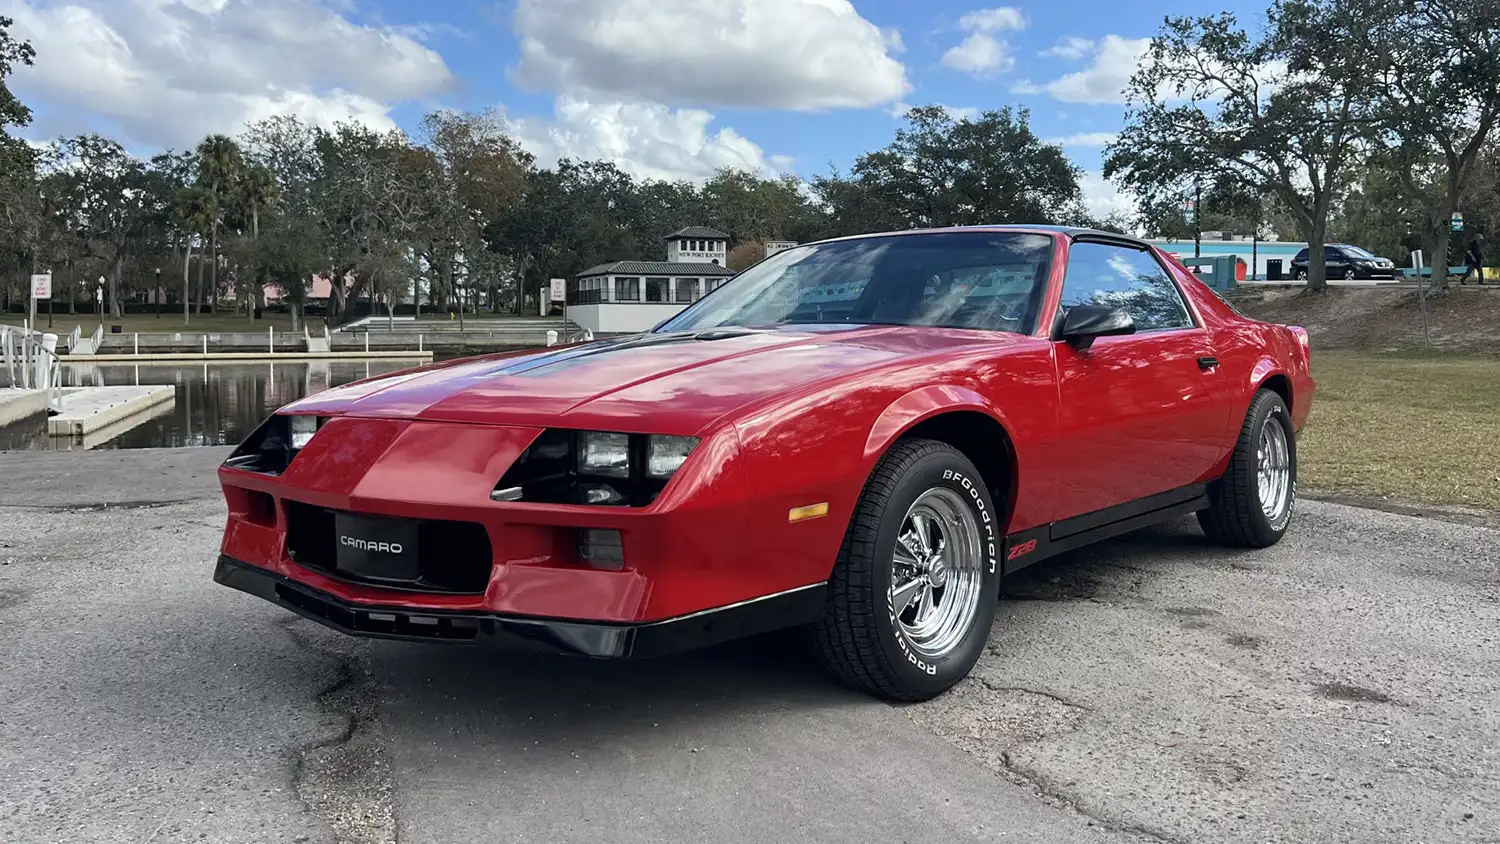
(1345,261)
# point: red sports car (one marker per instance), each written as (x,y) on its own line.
(859,437)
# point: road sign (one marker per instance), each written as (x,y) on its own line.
(1457,223)
(41,286)
(559,289)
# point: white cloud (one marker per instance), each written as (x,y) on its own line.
(789,54)
(647,140)
(1084,139)
(993,20)
(1070,47)
(167,72)
(1103,81)
(981,54)
(1102,198)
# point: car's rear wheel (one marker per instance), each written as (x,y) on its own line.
(1300,275)
(912,596)
(1252,504)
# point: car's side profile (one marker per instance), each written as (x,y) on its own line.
(860,437)
(1345,261)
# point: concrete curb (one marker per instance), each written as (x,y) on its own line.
(245,357)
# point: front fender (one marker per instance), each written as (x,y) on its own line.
(916,407)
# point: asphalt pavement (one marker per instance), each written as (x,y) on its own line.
(1343,686)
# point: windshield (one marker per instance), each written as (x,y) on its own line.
(1355,251)
(989,280)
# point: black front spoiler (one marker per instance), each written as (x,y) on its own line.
(596,639)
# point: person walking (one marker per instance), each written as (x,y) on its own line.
(1473,261)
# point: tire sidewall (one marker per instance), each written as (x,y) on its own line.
(1273,410)
(953,471)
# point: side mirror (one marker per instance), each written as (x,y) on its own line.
(1083,323)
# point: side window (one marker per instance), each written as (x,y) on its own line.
(1120,277)
(1332,254)
(1300,257)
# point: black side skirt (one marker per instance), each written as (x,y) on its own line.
(604,640)
(1037,544)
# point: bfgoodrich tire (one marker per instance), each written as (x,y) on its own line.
(1252,504)
(912,597)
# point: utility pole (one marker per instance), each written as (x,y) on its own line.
(1197,216)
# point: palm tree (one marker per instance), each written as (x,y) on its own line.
(220,164)
(196,211)
(257,189)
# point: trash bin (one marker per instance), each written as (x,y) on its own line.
(1273,269)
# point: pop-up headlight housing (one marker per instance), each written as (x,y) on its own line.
(594,467)
(270,448)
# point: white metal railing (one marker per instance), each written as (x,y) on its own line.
(31,361)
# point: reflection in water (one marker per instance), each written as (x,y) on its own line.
(218,404)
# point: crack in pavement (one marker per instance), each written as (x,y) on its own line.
(1060,796)
(347,779)
(996,687)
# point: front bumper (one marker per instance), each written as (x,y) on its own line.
(602,640)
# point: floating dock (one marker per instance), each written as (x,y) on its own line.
(88,409)
(17,404)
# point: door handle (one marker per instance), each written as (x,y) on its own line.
(1207,362)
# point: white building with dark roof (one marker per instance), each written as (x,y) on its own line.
(625,297)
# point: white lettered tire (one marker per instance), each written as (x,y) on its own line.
(911,600)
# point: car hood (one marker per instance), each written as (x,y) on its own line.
(663,383)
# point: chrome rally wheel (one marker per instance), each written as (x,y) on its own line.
(1274,470)
(936,573)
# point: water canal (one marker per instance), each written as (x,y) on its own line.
(216,404)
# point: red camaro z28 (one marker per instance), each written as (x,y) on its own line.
(858,437)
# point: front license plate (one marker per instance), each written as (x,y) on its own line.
(380,549)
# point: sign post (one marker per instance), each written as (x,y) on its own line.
(41,288)
(775,246)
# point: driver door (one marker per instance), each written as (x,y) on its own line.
(1138,414)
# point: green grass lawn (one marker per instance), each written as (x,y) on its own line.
(1416,427)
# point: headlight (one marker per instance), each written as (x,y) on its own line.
(303,428)
(664,455)
(604,455)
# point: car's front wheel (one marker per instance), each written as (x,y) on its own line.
(912,595)
(1251,505)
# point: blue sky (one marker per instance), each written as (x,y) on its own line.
(667,88)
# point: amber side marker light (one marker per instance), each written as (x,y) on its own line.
(811,511)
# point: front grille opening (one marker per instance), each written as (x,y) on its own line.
(452,557)
(257,508)
(380,623)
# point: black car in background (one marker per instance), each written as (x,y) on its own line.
(1348,262)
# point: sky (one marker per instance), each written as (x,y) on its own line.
(667,89)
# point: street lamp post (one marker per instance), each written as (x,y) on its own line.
(99,295)
(159,293)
